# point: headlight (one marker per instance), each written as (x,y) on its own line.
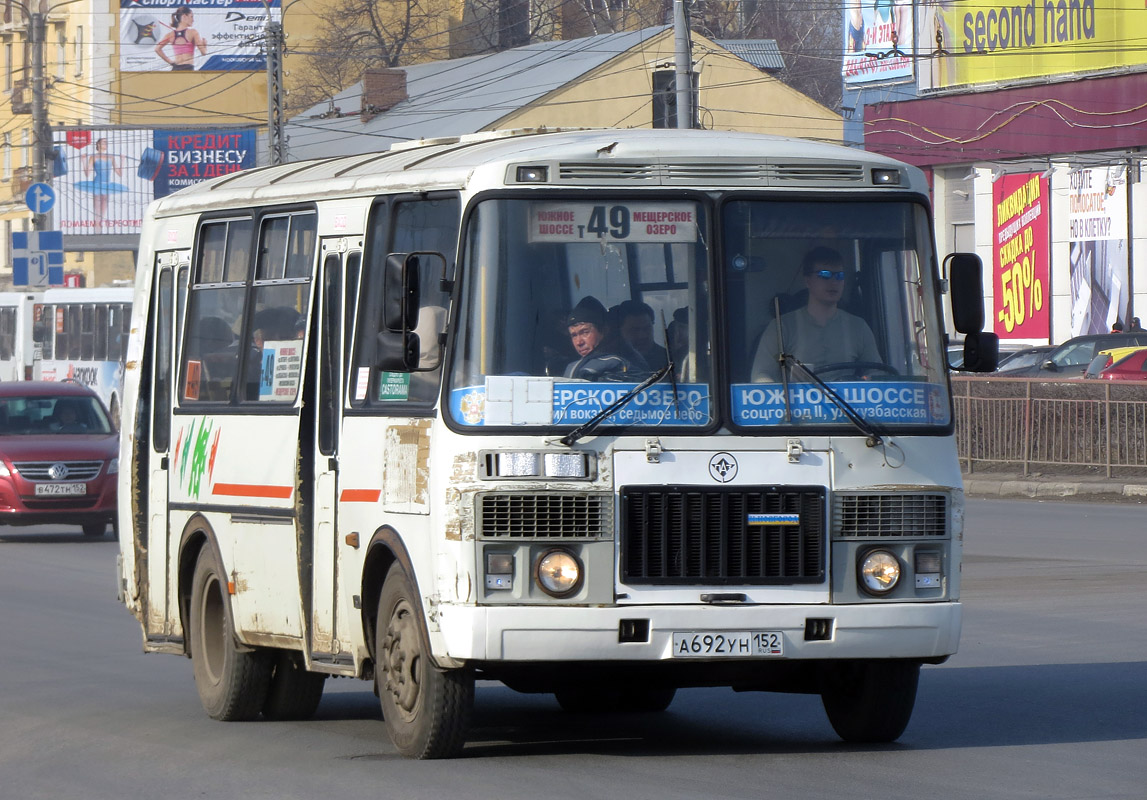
(879,572)
(558,573)
(113,466)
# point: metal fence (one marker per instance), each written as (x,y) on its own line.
(1081,426)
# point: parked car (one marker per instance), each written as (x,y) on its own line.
(59,456)
(1025,357)
(1069,360)
(1119,364)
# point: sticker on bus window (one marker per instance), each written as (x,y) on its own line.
(191,385)
(612,222)
(884,402)
(515,400)
(282,366)
(362,381)
(393,385)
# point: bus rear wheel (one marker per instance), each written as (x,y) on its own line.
(871,701)
(232,683)
(426,709)
(294,693)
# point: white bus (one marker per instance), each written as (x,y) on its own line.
(350,446)
(16,348)
(81,335)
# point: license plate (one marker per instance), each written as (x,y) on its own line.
(727,644)
(61,488)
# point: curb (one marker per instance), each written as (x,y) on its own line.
(1055,489)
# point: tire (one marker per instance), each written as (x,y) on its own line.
(627,699)
(871,701)
(232,683)
(94,529)
(294,693)
(426,709)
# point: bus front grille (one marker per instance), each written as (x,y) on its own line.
(545,515)
(763,535)
(861,516)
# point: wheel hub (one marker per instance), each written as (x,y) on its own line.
(402,656)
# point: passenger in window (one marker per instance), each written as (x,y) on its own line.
(819,334)
(635,322)
(601,356)
(65,419)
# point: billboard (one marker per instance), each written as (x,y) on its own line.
(193,35)
(965,42)
(1020,245)
(1097,236)
(105,178)
(878,41)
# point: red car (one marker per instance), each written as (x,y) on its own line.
(1119,364)
(59,456)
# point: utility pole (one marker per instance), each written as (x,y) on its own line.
(276,135)
(683,63)
(41,131)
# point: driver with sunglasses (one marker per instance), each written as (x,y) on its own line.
(819,334)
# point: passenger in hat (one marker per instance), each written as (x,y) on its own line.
(601,357)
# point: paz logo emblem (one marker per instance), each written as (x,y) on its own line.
(58,471)
(723,467)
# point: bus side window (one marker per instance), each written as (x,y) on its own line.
(413,226)
(217,298)
(282,298)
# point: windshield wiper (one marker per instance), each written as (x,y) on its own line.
(867,428)
(599,417)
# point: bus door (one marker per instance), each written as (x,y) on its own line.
(170,275)
(330,622)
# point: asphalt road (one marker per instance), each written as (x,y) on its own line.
(1046,699)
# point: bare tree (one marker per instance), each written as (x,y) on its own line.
(360,34)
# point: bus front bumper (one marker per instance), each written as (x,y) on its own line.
(539,633)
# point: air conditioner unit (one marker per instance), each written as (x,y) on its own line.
(21,182)
(21,97)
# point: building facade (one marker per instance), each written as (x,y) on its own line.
(1031,120)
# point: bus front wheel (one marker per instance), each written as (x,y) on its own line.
(426,709)
(232,683)
(870,701)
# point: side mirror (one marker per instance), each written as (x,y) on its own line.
(400,292)
(981,352)
(1050,366)
(966,281)
(397,351)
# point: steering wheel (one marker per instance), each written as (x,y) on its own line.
(858,370)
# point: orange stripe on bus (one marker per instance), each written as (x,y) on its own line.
(252,490)
(361,495)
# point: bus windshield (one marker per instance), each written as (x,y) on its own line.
(570,304)
(845,291)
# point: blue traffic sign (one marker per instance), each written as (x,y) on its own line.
(37,258)
(40,198)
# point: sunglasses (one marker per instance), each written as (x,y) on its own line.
(828,274)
